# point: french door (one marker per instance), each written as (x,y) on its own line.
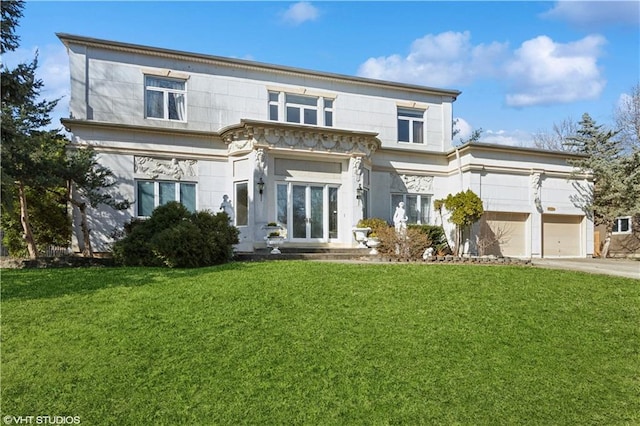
(308,210)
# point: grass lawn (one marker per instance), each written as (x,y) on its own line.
(298,342)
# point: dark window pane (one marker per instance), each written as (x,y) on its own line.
(273,96)
(413,113)
(176,106)
(310,116)
(273,112)
(403,131)
(293,115)
(624,225)
(328,118)
(412,208)
(145,198)
(167,192)
(418,132)
(333,212)
(242,204)
(282,204)
(302,100)
(188,196)
(155,104)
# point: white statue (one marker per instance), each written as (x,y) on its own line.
(400,218)
(227,208)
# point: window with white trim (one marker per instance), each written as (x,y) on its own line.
(274,103)
(303,109)
(417,207)
(152,193)
(622,225)
(165,98)
(410,125)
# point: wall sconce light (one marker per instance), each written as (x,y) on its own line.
(260,185)
(359,192)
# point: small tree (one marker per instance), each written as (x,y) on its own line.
(466,209)
(87,185)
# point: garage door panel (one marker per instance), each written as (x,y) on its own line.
(503,234)
(561,235)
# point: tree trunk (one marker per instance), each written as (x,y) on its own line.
(24,220)
(605,247)
(87,251)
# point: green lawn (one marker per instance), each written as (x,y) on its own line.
(321,343)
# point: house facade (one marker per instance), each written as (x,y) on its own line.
(313,151)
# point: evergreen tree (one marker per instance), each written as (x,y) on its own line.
(30,154)
(603,159)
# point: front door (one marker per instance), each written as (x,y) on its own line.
(309,211)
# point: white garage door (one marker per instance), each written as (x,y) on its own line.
(503,234)
(561,235)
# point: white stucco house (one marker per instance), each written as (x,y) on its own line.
(313,151)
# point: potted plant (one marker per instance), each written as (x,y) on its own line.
(375,224)
(274,237)
(360,234)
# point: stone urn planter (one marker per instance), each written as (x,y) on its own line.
(274,237)
(373,243)
(274,242)
(360,234)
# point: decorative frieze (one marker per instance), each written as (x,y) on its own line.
(250,135)
(173,168)
(411,183)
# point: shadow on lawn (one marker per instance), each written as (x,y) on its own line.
(28,284)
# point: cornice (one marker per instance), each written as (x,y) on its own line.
(70,123)
(252,134)
(137,49)
(470,147)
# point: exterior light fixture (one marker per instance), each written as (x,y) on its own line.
(260,185)
(359,192)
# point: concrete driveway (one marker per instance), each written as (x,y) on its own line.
(628,268)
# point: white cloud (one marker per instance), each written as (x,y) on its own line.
(507,137)
(439,60)
(596,13)
(53,70)
(464,128)
(300,12)
(544,72)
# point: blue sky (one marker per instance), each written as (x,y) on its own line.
(521,66)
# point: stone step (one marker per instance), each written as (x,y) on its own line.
(290,253)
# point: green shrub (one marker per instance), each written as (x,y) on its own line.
(174,237)
(436,235)
(409,245)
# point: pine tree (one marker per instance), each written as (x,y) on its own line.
(30,154)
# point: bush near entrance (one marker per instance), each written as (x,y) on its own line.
(177,238)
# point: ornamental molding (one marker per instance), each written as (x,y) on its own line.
(251,135)
(172,168)
(411,183)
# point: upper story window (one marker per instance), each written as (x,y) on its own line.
(410,125)
(328,112)
(166,98)
(622,225)
(303,109)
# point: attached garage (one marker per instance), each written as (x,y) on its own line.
(561,235)
(503,234)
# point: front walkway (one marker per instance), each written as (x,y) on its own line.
(628,268)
